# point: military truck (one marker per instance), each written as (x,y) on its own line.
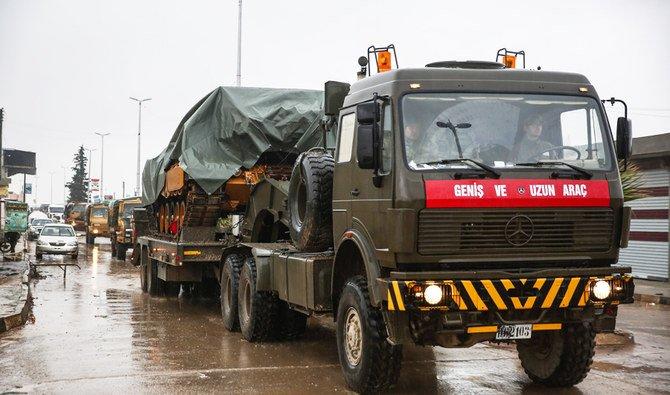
(74,215)
(458,203)
(96,220)
(120,229)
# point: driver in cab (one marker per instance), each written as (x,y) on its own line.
(531,145)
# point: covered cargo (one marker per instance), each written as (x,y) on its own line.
(229,129)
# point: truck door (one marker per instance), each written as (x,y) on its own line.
(344,161)
(369,203)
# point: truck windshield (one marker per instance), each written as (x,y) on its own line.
(56,209)
(99,212)
(503,130)
(128,209)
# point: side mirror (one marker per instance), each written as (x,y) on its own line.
(624,138)
(367,140)
(365,151)
(367,113)
(334,94)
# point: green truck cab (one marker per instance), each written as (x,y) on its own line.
(120,227)
(14,223)
(449,205)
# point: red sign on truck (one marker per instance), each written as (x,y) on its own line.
(516,193)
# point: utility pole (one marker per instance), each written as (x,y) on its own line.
(64,167)
(239,43)
(123,189)
(51,187)
(102,163)
(139,135)
(4,181)
(90,169)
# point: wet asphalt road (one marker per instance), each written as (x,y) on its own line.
(97,332)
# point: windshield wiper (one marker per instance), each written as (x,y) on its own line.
(488,169)
(578,169)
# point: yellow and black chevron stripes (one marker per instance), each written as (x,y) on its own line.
(499,294)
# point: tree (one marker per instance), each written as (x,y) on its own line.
(79,184)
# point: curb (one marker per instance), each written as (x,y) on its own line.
(658,299)
(25,303)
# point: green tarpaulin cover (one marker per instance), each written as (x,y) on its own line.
(230,128)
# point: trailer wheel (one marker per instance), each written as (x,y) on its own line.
(369,362)
(114,248)
(89,239)
(310,202)
(152,278)
(558,358)
(257,310)
(230,278)
(291,324)
(143,276)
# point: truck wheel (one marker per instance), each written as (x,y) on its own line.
(121,252)
(152,278)
(114,248)
(558,358)
(310,202)
(170,288)
(143,276)
(257,309)
(89,239)
(291,324)
(230,278)
(369,362)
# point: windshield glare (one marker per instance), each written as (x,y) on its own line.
(128,209)
(502,130)
(57,231)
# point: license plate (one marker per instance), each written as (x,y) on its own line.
(508,332)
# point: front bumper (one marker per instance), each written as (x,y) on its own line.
(475,304)
(49,249)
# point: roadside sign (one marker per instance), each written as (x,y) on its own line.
(28,189)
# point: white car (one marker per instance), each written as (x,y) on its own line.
(57,239)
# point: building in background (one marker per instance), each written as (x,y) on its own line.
(648,250)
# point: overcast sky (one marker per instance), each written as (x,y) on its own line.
(68,67)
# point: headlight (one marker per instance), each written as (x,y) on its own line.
(42,242)
(72,243)
(601,289)
(95,231)
(433,294)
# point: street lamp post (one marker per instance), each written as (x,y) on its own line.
(90,169)
(239,44)
(64,167)
(102,163)
(139,135)
(51,187)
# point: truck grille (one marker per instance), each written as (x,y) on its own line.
(479,232)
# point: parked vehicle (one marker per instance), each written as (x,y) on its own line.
(57,239)
(446,206)
(74,215)
(36,226)
(120,227)
(56,212)
(96,218)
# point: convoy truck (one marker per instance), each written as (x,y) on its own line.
(120,229)
(444,206)
(96,220)
(74,215)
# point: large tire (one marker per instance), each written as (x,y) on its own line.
(310,202)
(369,362)
(257,310)
(230,277)
(153,286)
(291,324)
(121,250)
(89,239)
(559,358)
(114,248)
(143,276)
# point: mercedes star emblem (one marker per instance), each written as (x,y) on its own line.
(519,230)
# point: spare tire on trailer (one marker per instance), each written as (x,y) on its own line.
(310,201)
